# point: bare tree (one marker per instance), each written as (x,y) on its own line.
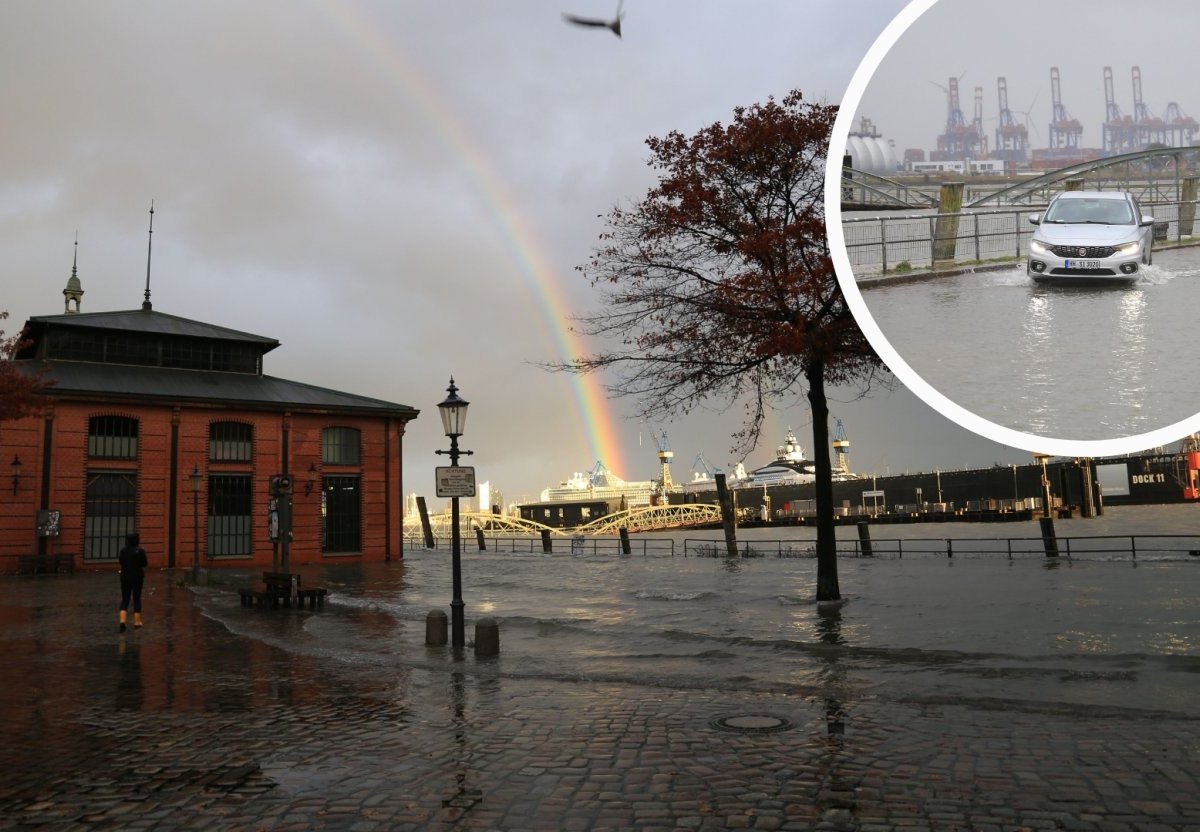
(718,285)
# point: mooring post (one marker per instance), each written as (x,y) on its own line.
(1049,541)
(547,546)
(625,547)
(1187,206)
(945,234)
(425,527)
(864,539)
(479,538)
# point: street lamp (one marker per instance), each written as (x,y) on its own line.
(195,478)
(454,419)
(1043,459)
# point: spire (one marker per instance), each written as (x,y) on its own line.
(149,246)
(74,290)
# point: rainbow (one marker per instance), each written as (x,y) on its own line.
(596,421)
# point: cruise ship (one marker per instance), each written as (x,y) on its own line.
(601,484)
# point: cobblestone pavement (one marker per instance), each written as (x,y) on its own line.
(184,725)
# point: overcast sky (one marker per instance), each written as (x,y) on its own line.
(1020,40)
(401,191)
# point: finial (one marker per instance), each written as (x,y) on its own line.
(149,246)
(74,291)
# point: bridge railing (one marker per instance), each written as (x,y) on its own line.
(577,545)
(902,244)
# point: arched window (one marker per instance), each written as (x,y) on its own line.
(340,446)
(112,437)
(230,442)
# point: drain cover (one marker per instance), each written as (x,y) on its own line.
(752,723)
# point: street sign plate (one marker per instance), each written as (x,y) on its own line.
(455,480)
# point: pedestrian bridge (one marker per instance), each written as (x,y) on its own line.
(651,518)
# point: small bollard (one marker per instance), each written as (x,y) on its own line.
(435,629)
(625,549)
(487,638)
(479,537)
(547,546)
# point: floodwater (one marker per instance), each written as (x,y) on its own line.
(1103,630)
(1066,363)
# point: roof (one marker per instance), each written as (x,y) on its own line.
(1093,195)
(148,321)
(87,379)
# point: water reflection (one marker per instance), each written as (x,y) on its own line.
(130,695)
(829,631)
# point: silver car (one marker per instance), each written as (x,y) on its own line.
(1090,237)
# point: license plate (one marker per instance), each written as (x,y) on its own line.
(1082,264)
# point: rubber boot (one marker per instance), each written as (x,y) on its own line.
(137,620)
(122,621)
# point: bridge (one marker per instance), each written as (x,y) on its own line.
(1153,175)
(652,518)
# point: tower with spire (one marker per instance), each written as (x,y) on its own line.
(74,290)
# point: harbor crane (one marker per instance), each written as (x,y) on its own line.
(841,449)
(665,455)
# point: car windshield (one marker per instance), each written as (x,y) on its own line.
(1101,211)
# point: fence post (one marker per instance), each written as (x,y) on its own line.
(883,243)
(547,546)
(975,228)
(949,548)
(1133,546)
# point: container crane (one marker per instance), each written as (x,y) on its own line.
(1012,139)
(1064,129)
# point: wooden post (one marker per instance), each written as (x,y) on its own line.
(625,547)
(547,546)
(479,538)
(727,516)
(945,234)
(1187,207)
(1074,185)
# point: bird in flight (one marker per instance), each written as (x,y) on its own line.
(614,24)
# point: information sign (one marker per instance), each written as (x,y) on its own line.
(455,480)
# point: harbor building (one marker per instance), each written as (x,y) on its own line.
(170,427)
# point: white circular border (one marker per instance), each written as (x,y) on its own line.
(899,367)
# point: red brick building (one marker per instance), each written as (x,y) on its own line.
(169,427)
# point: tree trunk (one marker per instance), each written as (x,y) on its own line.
(827,574)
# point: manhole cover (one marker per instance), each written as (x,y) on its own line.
(752,723)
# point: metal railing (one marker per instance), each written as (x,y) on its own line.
(1097,546)
(579,545)
(901,244)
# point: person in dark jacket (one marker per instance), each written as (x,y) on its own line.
(133,573)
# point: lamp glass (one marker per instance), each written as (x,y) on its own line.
(16,466)
(453,412)
(195,477)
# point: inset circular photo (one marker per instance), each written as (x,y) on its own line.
(1016,228)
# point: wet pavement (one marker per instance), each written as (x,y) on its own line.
(186,725)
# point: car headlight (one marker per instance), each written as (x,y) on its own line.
(1038,247)
(1130,248)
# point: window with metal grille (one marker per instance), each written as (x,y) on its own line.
(230,442)
(230,515)
(341,515)
(110,513)
(112,437)
(339,446)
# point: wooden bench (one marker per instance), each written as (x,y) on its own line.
(278,592)
(314,595)
(279,587)
(252,597)
(32,564)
